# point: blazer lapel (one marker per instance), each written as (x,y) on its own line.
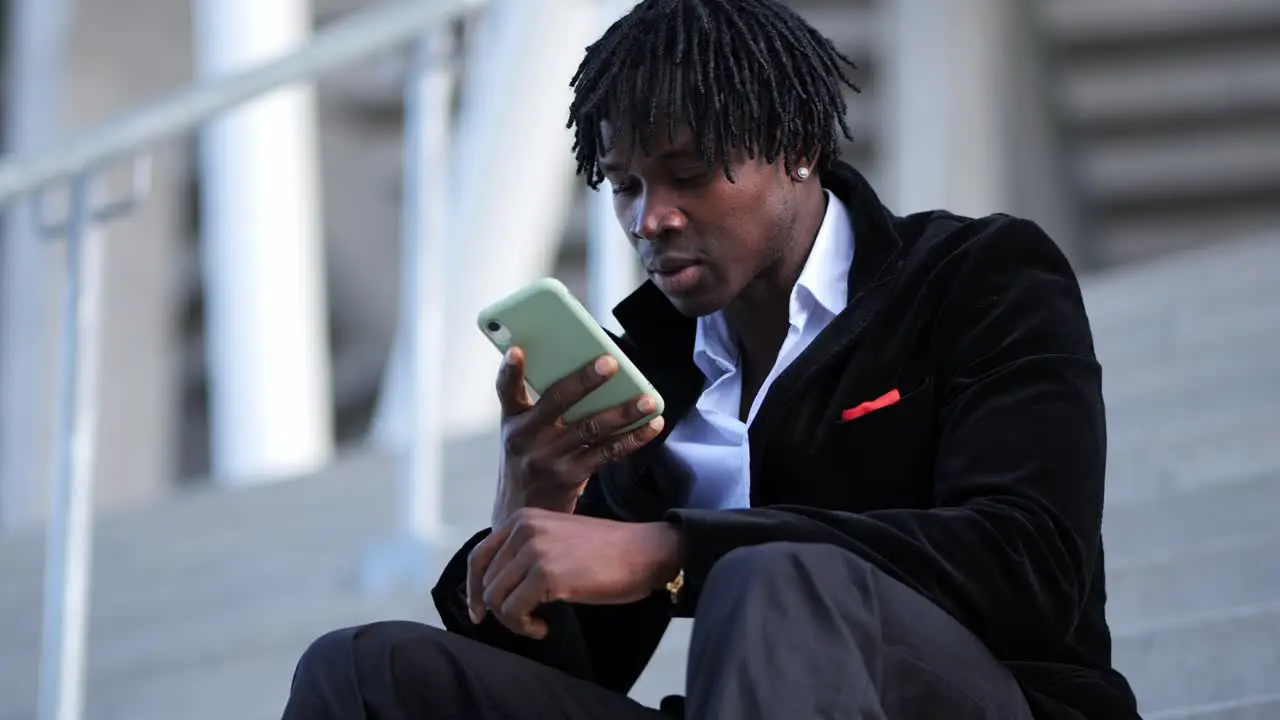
(875,269)
(661,345)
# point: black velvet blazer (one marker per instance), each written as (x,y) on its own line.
(981,487)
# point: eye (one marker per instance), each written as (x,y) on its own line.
(624,187)
(692,178)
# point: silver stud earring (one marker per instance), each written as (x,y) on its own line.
(802,173)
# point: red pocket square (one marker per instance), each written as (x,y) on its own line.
(883,401)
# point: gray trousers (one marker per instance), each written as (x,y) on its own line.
(783,631)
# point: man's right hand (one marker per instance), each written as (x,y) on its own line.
(547,462)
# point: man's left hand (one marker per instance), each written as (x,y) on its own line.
(538,557)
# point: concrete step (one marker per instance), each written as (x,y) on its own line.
(208,666)
(1226,515)
(1201,661)
(1133,235)
(1172,401)
(1086,24)
(209,535)
(1262,707)
(1186,87)
(1141,433)
(1180,343)
(1205,579)
(1213,162)
(665,673)
(1162,306)
(1145,476)
(1134,380)
(1209,278)
(202,588)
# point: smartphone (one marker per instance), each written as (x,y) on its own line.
(559,337)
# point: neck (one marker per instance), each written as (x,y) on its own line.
(760,315)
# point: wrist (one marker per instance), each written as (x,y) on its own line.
(506,504)
(668,556)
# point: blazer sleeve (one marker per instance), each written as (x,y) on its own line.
(605,644)
(1010,548)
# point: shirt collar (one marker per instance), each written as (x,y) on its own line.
(825,276)
(823,284)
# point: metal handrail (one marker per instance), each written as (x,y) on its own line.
(69,541)
(365,33)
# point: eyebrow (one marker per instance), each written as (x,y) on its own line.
(679,152)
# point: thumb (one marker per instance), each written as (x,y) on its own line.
(513,392)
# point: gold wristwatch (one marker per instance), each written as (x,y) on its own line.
(674,588)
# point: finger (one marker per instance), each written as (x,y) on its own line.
(518,609)
(591,459)
(564,393)
(512,392)
(508,552)
(478,562)
(497,593)
(604,425)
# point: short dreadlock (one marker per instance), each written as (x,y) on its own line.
(743,74)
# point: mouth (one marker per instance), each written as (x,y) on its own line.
(670,266)
(676,276)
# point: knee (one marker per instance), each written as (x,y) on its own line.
(755,565)
(333,656)
(326,654)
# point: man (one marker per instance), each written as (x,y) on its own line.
(878,485)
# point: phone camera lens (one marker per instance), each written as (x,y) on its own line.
(494,326)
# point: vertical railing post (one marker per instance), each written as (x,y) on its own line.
(69,547)
(426,230)
(426,224)
(69,542)
(36,39)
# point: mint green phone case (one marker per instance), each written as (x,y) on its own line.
(559,337)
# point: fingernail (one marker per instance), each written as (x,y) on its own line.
(657,424)
(475,617)
(605,366)
(510,355)
(646,405)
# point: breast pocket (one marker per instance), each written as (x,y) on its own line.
(885,448)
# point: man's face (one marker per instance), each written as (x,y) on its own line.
(701,238)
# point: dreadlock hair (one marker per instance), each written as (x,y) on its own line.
(748,75)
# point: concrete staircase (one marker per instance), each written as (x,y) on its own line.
(1190,355)
(203,602)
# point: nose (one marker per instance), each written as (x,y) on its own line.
(655,216)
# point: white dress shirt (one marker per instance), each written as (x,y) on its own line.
(711,444)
